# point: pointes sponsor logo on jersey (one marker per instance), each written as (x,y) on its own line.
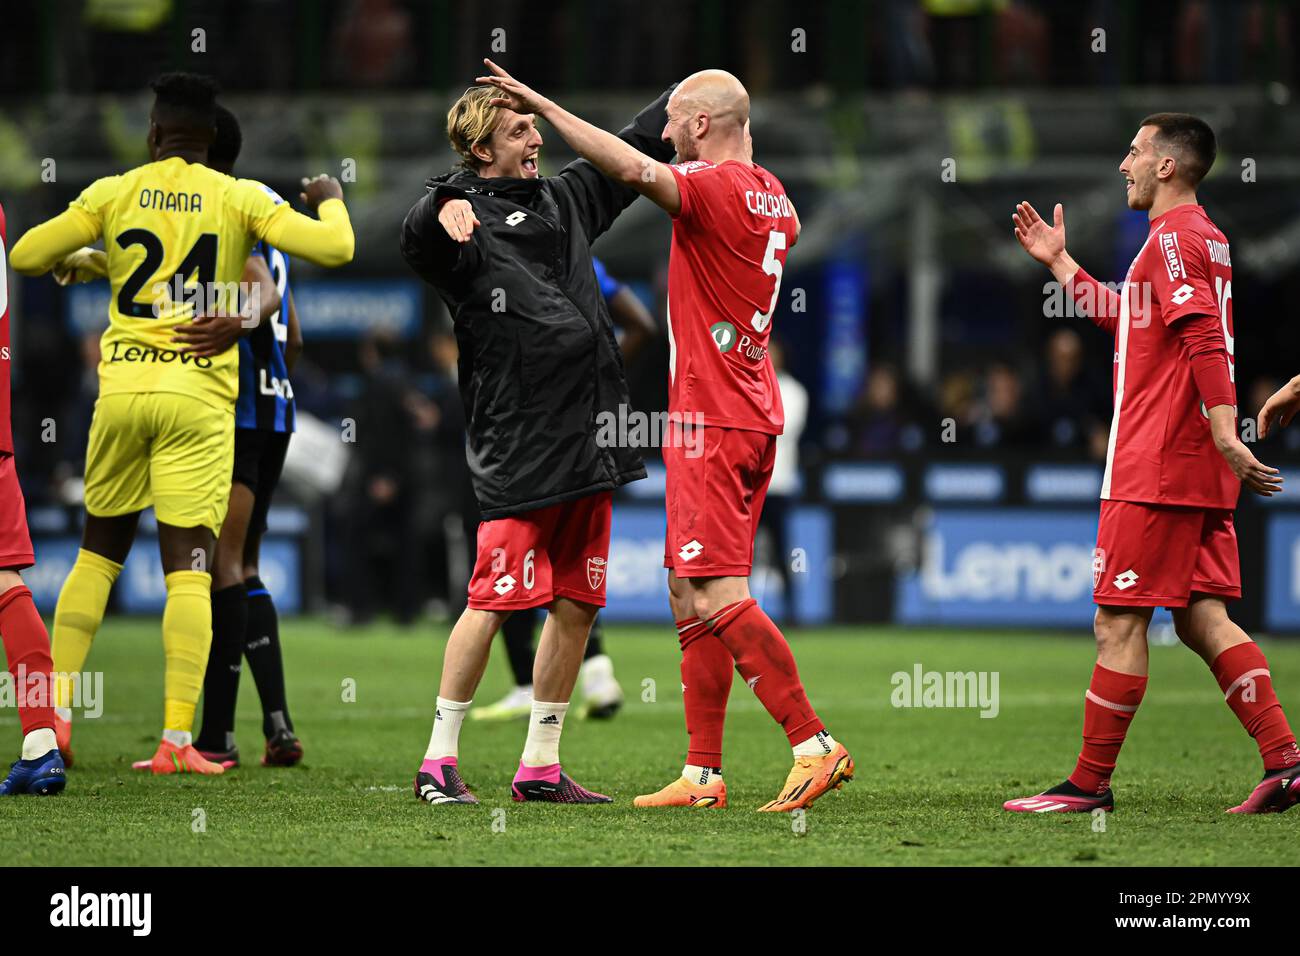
(595,572)
(724,334)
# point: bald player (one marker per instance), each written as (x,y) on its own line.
(732,227)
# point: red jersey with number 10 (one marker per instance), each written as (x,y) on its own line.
(1161,448)
(724,274)
(6,428)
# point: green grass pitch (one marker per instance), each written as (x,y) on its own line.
(930,782)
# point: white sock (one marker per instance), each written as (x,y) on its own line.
(701,775)
(63,713)
(596,671)
(818,745)
(447,718)
(542,748)
(38,743)
(181,738)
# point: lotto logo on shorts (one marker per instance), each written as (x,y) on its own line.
(1125,580)
(595,572)
(505,584)
(691,549)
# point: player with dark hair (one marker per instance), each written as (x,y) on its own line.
(1174,468)
(39,769)
(732,227)
(177,237)
(244,621)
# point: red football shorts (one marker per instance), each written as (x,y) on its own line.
(533,558)
(1159,555)
(716,484)
(15,541)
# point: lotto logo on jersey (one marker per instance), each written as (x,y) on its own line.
(1182,294)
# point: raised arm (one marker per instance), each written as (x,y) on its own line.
(327,241)
(1047,244)
(623,158)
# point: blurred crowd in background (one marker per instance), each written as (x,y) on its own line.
(109,45)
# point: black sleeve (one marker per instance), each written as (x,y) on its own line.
(434,255)
(599,199)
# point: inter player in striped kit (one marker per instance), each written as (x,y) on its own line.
(40,769)
(244,621)
(732,227)
(1174,468)
(177,237)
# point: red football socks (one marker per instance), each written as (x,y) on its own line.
(1242,673)
(764,660)
(1109,705)
(27,647)
(706,684)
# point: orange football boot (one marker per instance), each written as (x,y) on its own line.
(810,778)
(686,793)
(173,759)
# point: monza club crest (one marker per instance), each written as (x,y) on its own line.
(1098,566)
(595,572)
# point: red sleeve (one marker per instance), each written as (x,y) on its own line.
(1181,283)
(1096,301)
(1207,352)
(697,182)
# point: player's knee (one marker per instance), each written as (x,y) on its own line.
(702,605)
(1114,630)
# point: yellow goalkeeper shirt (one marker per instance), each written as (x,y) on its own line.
(177,235)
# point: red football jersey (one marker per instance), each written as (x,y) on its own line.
(724,274)
(6,429)
(1161,450)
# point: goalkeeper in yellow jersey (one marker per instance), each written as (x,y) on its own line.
(176,234)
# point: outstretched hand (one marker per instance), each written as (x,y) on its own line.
(513,94)
(1045,243)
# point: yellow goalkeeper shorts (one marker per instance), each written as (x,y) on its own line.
(165,449)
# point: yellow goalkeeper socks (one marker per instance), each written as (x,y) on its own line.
(77,617)
(187,638)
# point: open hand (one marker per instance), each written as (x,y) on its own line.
(513,94)
(457,217)
(1045,243)
(205,336)
(1255,475)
